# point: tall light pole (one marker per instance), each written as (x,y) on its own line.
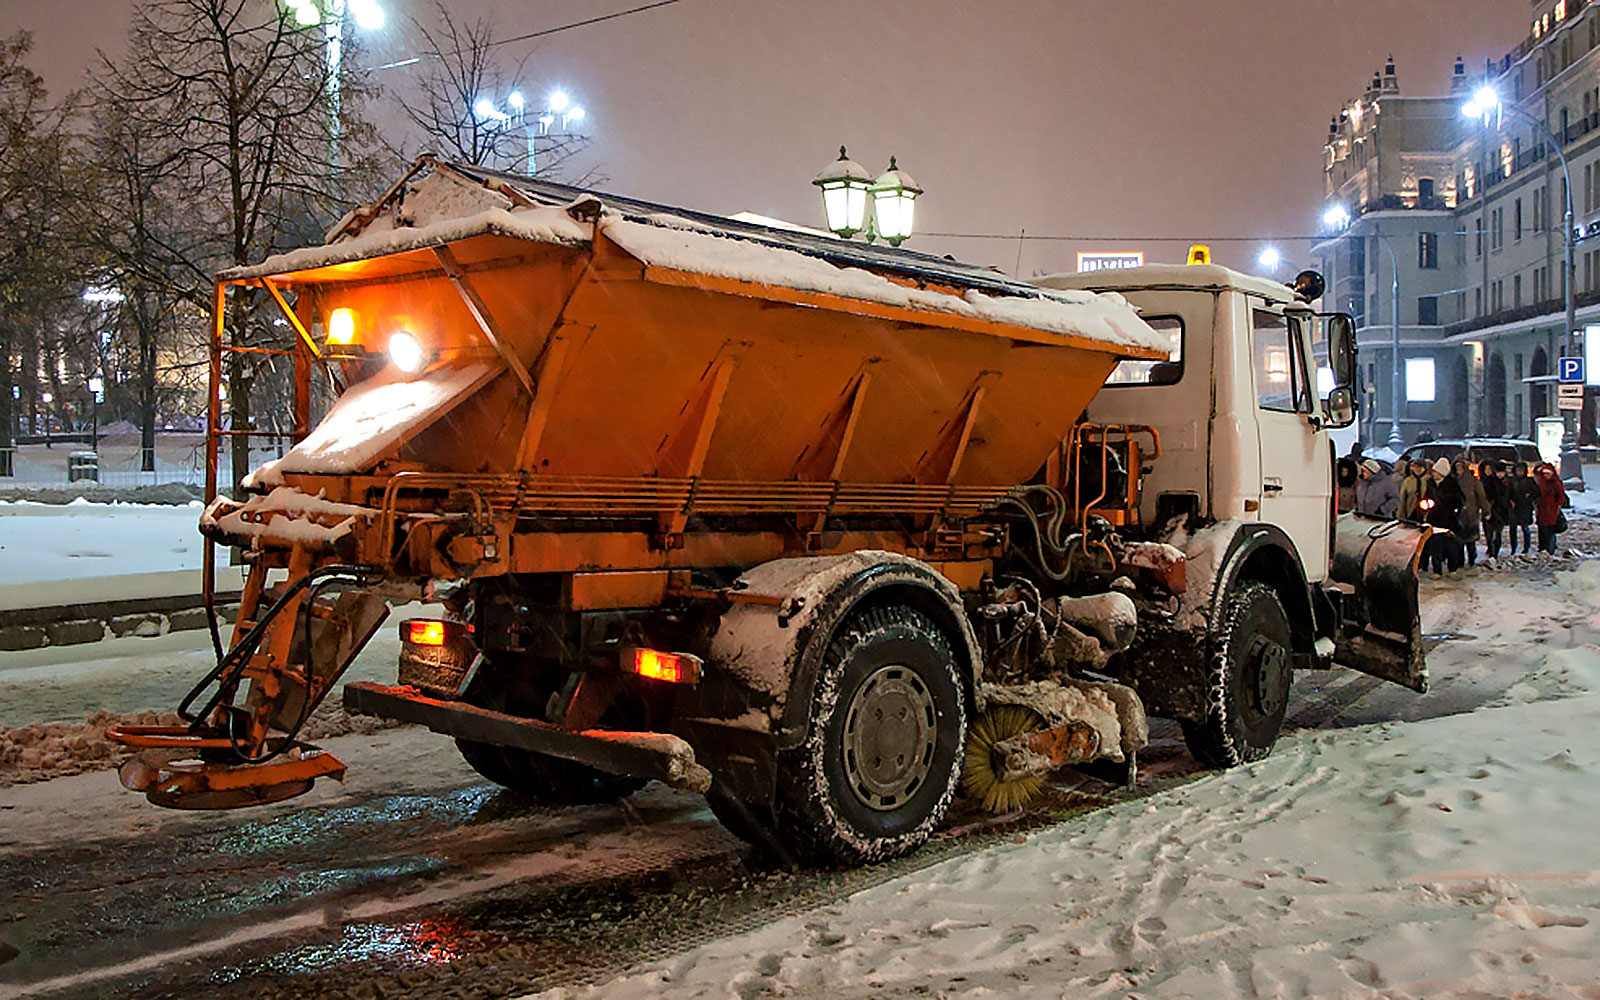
(536,122)
(1484,104)
(1336,218)
(333,15)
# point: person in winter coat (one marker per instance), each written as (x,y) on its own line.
(1498,514)
(1412,490)
(1521,491)
(1474,506)
(1344,484)
(1376,493)
(1547,508)
(1441,507)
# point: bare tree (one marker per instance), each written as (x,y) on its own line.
(461,68)
(32,191)
(232,101)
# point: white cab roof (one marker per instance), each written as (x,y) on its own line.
(1210,277)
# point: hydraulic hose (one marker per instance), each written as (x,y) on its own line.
(226,673)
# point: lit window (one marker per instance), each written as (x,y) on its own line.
(1419,380)
(1561,10)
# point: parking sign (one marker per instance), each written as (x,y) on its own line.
(1570,370)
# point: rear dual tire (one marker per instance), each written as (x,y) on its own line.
(881,760)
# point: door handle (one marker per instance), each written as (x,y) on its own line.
(1273,485)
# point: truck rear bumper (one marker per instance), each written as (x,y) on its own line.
(660,756)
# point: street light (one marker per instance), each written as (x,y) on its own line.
(1486,102)
(1338,217)
(1270,258)
(845,187)
(536,122)
(332,14)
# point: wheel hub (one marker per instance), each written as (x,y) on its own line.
(1271,675)
(889,737)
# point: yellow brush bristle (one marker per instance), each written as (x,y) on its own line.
(978,777)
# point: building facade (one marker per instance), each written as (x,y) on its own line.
(1463,217)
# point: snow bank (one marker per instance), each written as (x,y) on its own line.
(372,417)
(83,540)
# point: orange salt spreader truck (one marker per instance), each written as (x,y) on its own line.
(825,531)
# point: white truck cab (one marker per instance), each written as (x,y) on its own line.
(1240,421)
(1244,482)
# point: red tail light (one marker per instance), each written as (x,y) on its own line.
(674,668)
(431,632)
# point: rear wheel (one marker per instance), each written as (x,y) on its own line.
(540,777)
(1250,674)
(882,756)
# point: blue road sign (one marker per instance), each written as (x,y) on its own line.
(1570,370)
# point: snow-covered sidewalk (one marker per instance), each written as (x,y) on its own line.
(83,540)
(1454,857)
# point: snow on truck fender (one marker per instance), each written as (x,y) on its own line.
(1216,556)
(777,650)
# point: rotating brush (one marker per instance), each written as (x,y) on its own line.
(980,777)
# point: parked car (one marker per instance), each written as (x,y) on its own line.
(1476,449)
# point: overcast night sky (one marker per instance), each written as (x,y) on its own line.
(1195,120)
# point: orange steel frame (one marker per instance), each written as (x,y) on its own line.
(935,502)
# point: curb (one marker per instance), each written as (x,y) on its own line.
(76,624)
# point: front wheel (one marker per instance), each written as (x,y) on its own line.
(1250,673)
(882,756)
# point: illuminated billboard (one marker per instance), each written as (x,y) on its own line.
(1112,260)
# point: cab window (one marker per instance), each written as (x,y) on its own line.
(1166,372)
(1280,368)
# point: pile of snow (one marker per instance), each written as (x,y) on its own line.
(1447,858)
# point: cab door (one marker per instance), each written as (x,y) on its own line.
(1296,461)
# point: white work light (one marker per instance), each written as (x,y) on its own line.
(406,352)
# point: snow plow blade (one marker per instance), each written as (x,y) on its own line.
(1375,565)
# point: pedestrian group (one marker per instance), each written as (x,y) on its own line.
(1494,501)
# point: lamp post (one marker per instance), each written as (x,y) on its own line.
(1338,217)
(1486,102)
(332,15)
(846,187)
(536,122)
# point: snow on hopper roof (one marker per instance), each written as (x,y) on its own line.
(456,202)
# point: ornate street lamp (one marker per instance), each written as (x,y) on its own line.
(894,195)
(845,184)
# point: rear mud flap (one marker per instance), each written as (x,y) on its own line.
(1375,567)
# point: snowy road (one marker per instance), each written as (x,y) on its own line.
(418,878)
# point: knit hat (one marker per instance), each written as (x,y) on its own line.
(1372,466)
(1442,466)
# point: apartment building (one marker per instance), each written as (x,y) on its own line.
(1463,216)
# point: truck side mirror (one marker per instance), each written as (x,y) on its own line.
(1341,407)
(1342,349)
